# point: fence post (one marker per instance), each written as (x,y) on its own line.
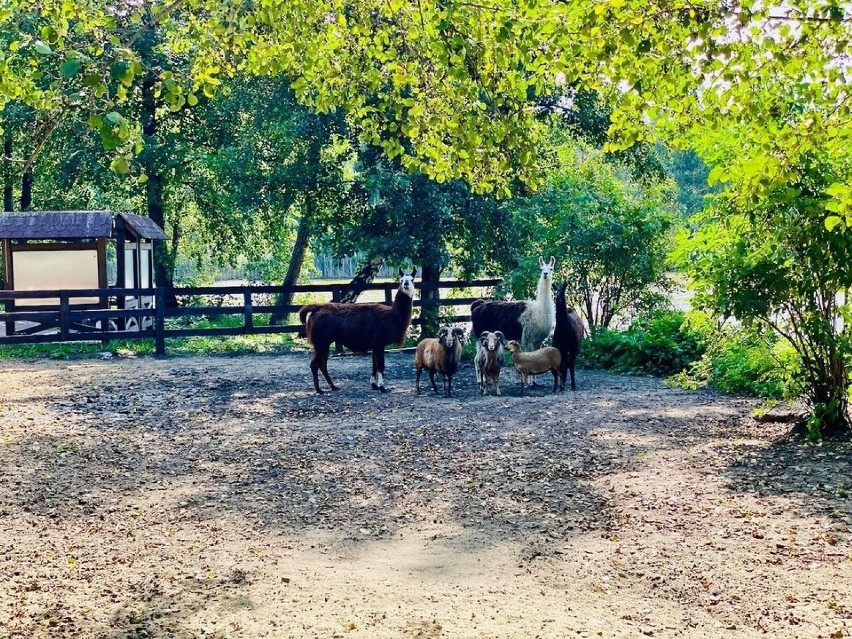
(248,317)
(389,294)
(64,315)
(160,320)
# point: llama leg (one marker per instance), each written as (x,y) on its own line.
(563,368)
(572,362)
(323,364)
(314,369)
(319,362)
(379,367)
(374,378)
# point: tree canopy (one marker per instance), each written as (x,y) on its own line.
(450,85)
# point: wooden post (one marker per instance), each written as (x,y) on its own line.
(64,315)
(160,320)
(120,269)
(248,317)
(389,294)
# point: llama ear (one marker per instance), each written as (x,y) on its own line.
(541,261)
(401,272)
(552,261)
(413,271)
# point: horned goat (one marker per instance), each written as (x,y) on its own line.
(489,360)
(440,354)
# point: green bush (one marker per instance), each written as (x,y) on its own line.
(660,343)
(742,362)
(694,353)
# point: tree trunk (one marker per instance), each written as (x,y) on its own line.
(429,296)
(27,190)
(294,268)
(8,174)
(152,164)
(829,403)
(366,274)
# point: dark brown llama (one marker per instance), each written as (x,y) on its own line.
(360,328)
(567,335)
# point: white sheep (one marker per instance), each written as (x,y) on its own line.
(489,360)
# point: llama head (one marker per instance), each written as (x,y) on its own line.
(560,291)
(546,267)
(406,281)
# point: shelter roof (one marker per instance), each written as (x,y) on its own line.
(67,225)
(143,227)
(55,225)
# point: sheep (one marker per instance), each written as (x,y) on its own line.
(528,321)
(439,354)
(358,327)
(543,359)
(567,335)
(489,360)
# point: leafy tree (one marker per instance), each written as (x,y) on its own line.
(610,235)
(773,263)
(404,217)
(447,86)
(270,173)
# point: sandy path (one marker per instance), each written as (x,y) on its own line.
(220,498)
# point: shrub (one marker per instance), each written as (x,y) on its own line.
(742,362)
(659,343)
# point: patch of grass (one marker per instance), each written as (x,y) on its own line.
(72,350)
(199,345)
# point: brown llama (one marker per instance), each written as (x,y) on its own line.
(358,327)
(568,335)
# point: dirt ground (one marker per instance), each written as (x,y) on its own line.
(221,497)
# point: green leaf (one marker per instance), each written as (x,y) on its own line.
(70,67)
(832,221)
(114,118)
(43,48)
(120,166)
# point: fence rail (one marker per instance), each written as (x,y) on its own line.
(70,322)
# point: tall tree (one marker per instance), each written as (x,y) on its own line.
(774,264)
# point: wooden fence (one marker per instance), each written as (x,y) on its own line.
(68,323)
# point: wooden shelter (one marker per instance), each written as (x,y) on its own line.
(62,250)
